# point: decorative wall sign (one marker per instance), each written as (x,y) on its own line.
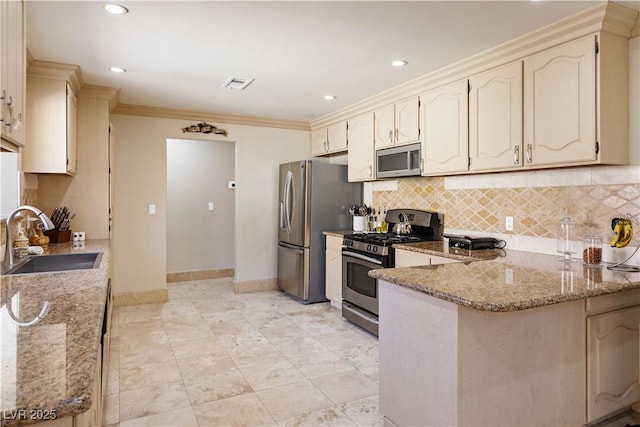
(204,128)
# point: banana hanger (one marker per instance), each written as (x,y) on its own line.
(623,233)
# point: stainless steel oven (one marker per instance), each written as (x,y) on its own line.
(359,291)
(362,252)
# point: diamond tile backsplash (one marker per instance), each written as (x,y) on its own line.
(535,210)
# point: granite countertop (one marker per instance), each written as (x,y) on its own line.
(337,233)
(516,280)
(441,248)
(48,368)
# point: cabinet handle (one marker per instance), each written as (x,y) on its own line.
(421,164)
(397,134)
(390,135)
(528,153)
(370,170)
(516,155)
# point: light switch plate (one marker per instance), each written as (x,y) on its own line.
(152,209)
(210,206)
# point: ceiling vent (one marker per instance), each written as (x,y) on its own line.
(237,83)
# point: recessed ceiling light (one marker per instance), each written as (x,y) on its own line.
(118,69)
(329,97)
(399,63)
(116,9)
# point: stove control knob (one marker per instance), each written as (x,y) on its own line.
(368,247)
(375,249)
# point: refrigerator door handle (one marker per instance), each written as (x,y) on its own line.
(288,199)
(293,248)
(282,221)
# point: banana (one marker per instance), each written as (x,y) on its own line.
(618,231)
(627,234)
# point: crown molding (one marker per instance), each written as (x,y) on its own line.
(55,70)
(604,17)
(636,28)
(168,113)
(101,92)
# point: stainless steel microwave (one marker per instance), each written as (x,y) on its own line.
(398,161)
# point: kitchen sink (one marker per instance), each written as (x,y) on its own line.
(45,263)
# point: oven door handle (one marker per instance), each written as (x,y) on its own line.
(362,257)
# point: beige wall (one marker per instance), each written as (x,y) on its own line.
(197,174)
(87,193)
(139,239)
(634,100)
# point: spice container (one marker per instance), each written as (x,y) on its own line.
(592,252)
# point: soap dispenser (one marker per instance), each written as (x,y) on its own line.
(20,243)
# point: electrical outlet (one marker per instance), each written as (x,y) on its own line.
(152,209)
(508,225)
(210,206)
(508,276)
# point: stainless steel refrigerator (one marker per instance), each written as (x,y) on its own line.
(314,197)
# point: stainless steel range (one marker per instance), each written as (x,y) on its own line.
(362,252)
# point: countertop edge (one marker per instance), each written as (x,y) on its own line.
(78,399)
(494,307)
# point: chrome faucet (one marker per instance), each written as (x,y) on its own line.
(8,253)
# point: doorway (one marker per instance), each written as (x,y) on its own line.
(200,208)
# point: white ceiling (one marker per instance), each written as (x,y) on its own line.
(178,54)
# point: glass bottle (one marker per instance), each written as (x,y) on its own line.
(566,243)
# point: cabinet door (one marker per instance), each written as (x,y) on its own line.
(407,121)
(384,127)
(72,114)
(337,137)
(13,70)
(444,114)
(613,377)
(560,104)
(361,153)
(319,141)
(495,119)
(333,273)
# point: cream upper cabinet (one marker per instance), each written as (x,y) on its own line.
(329,140)
(13,71)
(397,124)
(613,376)
(560,104)
(495,119)
(361,153)
(319,141)
(444,120)
(51,144)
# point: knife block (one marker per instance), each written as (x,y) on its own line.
(57,236)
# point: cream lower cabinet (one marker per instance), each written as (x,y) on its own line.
(361,152)
(397,124)
(333,272)
(444,119)
(13,53)
(613,377)
(329,140)
(495,119)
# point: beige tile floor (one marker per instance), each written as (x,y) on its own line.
(210,357)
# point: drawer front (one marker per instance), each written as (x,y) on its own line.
(411,259)
(612,302)
(334,242)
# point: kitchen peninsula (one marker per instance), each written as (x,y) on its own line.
(519,340)
(51,368)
